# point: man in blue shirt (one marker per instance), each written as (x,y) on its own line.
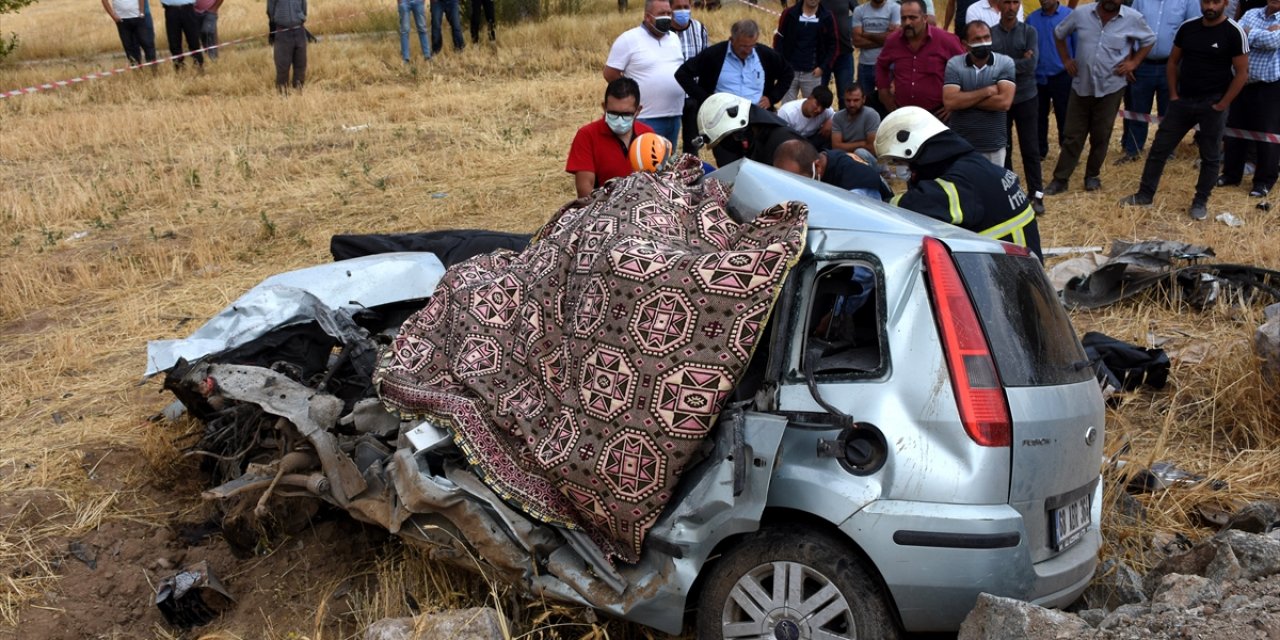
(1149,83)
(1053,83)
(740,66)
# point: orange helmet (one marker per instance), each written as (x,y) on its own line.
(650,152)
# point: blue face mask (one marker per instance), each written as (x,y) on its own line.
(620,125)
(681,17)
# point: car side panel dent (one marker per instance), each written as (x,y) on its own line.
(708,511)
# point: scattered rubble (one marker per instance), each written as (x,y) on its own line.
(1227,585)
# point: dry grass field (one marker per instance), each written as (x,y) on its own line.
(134,207)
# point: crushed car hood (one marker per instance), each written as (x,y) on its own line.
(301,296)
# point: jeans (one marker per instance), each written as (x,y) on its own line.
(209,34)
(417,9)
(867,80)
(1254,110)
(487,6)
(1150,85)
(869,158)
(291,51)
(182,21)
(137,39)
(1055,94)
(667,127)
(1183,115)
(1023,116)
(438,11)
(1092,118)
(843,72)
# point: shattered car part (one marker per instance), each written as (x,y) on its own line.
(193,597)
(1136,267)
(305,295)
(1165,475)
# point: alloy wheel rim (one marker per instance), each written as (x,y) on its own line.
(786,601)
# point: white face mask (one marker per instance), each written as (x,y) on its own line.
(619,125)
(813,168)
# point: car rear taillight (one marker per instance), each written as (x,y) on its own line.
(984,411)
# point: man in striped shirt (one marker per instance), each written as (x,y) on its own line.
(1255,109)
(693,39)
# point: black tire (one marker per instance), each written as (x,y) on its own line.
(816,561)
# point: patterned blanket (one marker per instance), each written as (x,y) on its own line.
(580,375)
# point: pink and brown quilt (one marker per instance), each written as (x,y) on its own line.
(581,376)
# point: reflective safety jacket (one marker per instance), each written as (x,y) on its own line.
(953,183)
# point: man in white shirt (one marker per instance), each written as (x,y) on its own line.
(989,12)
(650,55)
(811,117)
(135,33)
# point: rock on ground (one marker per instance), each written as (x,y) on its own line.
(1009,619)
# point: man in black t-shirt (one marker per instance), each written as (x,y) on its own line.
(1206,53)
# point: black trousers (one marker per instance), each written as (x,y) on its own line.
(1053,94)
(1183,115)
(138,39)
(182,21)
(1257,108)
(1023,115)
(290,51)
(476,7)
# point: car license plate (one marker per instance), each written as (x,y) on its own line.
(1070,522)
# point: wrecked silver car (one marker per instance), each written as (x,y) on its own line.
(914,423)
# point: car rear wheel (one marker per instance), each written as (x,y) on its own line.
(792,584)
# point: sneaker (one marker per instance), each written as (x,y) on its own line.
(1127,158)
(1136,200)
(1260,192)
(1037,205)
(1198,211)
(1224,182)
(1092,184)
(1055,187)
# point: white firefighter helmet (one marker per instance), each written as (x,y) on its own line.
(720,115)
(903,131)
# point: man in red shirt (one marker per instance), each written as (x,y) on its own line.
(910,68)
(599,150)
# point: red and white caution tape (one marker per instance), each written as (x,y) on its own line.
(1234,133)
(756,6)
(106,73)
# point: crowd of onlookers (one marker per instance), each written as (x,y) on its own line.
(197,22)
(1001,72)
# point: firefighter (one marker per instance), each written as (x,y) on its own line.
(952,182)
(735,128)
